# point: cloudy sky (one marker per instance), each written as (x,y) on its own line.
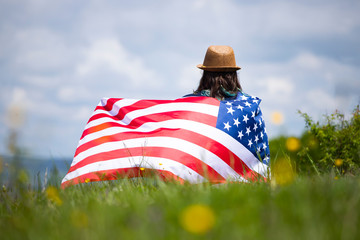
(59,58)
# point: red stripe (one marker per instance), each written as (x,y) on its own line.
(168,153)
(205,142)
(141,104)
(114,174)
(157,117)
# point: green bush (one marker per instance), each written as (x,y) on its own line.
(328,146)
(339,142)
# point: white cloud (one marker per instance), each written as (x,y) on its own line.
(110,55)
(308,61)
(301,20)
(320,100)
(41,50)
(189,77)
(73,93)
(277,86)
(60,58)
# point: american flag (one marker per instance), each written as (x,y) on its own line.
(190,139)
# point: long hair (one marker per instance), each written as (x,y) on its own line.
(217,82)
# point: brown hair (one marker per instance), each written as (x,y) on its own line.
(217,82)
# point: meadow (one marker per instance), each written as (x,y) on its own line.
(314,193)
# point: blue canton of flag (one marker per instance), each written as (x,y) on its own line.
(242,119)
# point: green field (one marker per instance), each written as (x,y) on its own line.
(314,193)
(307,208)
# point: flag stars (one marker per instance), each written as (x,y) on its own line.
(236,122)
(245,118)
(227,126)
(256,139)
(247,104)
(240,134)
(248,131)
(230,110)
(246,125)
(250,143)
(253,114)
(240,107)
(264,146)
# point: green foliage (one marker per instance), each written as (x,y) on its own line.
(320,208)
(339,142)
(329,147)
(322,201)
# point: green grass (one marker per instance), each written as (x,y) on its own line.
(309,208)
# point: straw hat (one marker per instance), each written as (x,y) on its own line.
(219,59)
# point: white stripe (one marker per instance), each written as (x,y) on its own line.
(139,161)
(118,104)
(194,150)
(159,108)
(217,135)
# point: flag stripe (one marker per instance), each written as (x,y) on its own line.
(126,119)
(106,123)
(213,136)
(167,164)
(161,152)
(195,144)
(187,147)
(113,105)
(114,174)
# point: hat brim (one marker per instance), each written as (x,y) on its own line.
(219,68)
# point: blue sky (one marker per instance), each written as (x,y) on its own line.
(59,58)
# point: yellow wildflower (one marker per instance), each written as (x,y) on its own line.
(87,180)
(339,162)
(293,144)
(197,219)
(142,169)
(52,194)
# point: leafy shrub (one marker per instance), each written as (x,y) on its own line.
(332,145)
(338,141)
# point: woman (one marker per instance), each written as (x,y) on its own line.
(243,119)
(219,78)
